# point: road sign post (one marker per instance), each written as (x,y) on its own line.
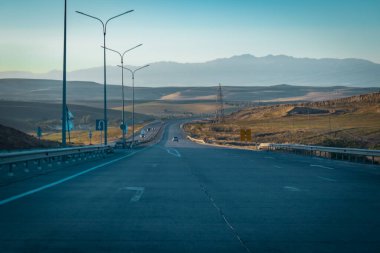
(39,133)
(124,129)
(90,136)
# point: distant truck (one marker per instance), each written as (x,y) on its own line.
(264,146)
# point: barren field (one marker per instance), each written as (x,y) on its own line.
(175,109)
(339,123)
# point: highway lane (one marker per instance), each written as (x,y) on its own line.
(184,197)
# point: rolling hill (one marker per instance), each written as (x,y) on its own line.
(27,116)
(87,92)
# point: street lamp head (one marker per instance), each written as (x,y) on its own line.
(143,67)
(127,12)
(119,15)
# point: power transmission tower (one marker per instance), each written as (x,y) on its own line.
(219,115)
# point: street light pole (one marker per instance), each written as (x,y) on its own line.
(122,85)
(133,97)
(104,25)
(64,81)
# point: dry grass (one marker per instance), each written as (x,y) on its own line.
(359,127)
(162,109)
(80,137)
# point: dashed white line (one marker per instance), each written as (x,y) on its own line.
(327,179)
(291,188)
(139,192)
(321,166)
(278,167)
(174,152)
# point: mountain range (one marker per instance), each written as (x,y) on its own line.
(242,70)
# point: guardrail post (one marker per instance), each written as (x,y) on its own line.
(26,165)
(49,162)
(10,172)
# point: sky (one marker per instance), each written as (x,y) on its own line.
(184,31)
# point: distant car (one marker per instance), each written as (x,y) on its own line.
(175,138)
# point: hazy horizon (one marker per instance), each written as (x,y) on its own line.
(199,62)
(241,70)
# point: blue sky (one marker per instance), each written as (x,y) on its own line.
(185,31)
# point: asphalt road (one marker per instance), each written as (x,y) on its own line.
(184,197)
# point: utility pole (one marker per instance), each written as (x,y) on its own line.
(219,115)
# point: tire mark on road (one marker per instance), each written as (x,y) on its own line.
(220,211)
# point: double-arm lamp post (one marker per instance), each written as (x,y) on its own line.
(133,97)
(64,106)
(123,126)
(104,25)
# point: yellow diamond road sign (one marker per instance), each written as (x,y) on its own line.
(245,135)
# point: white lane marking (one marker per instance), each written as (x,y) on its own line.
(278,167)
(320,166)
(19,196)
(291,188)
(174,152)
(327,179)
(268,157)
(139,192)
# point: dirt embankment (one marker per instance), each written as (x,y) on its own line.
(12,139)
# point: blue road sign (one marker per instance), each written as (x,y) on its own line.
(123,126)
(100,124)
(39,132)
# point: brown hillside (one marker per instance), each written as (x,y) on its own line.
(347,122)
(11,139)
(361,103)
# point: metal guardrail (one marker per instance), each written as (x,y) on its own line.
(152,136)
(149,138)
(25,156)
(323,151)
(350,151)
